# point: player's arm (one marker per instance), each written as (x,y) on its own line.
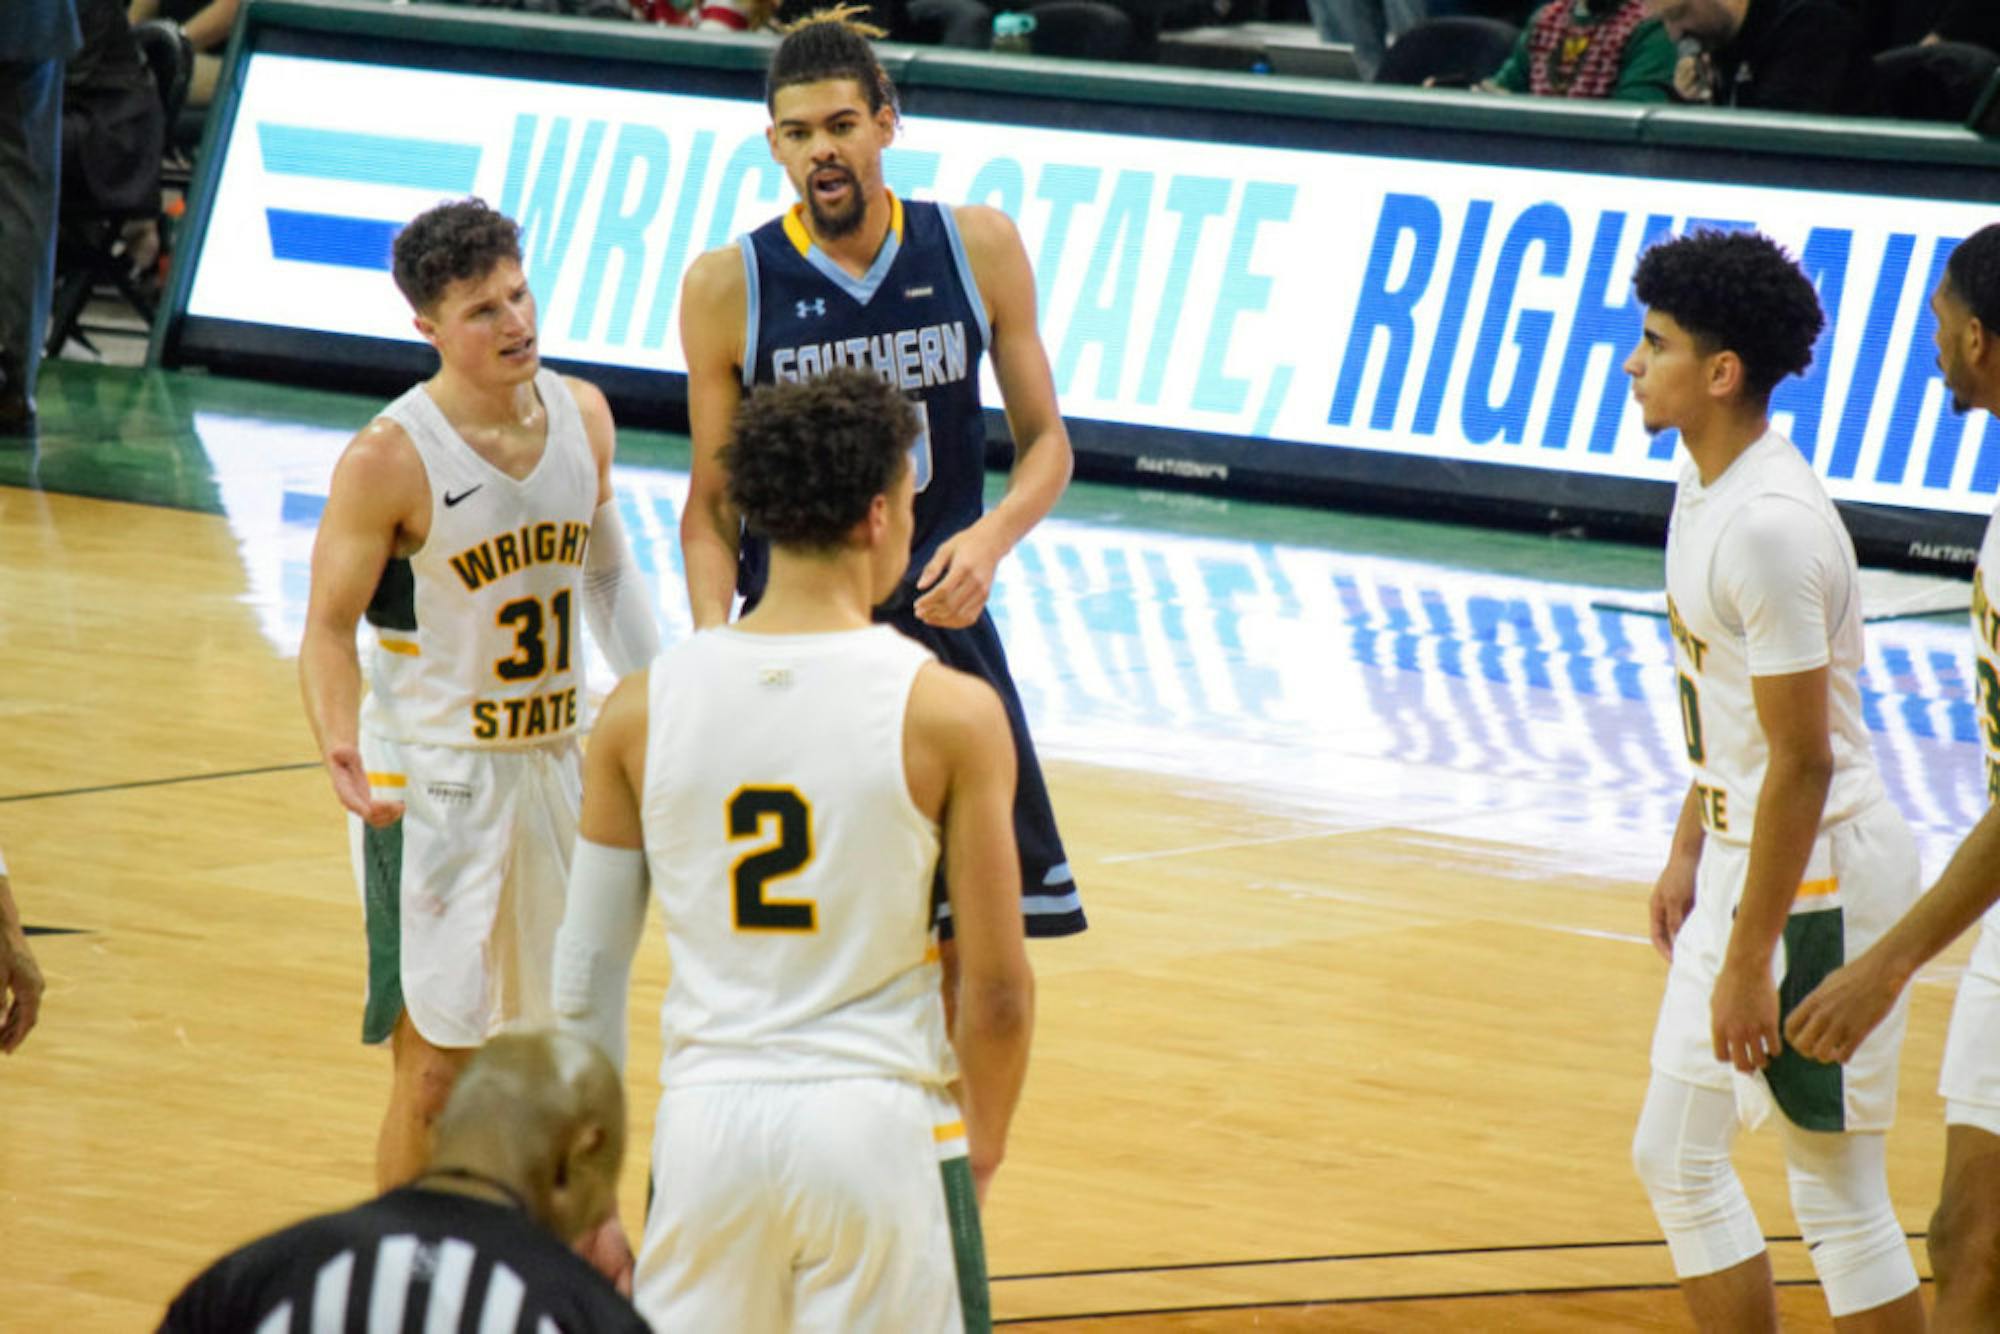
(961,721)
(960,575)
(615,603)
(371,502)
(20,979)
(713,321)
(605,912)
(1673,893)
(1792,711)
(604,916)
(1845,1008)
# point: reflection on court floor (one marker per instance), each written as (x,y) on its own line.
(1372,691)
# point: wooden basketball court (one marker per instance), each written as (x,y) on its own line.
(1313,1068)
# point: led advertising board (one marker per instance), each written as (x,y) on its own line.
(1227,294)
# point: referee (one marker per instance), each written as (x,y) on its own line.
(525,1162)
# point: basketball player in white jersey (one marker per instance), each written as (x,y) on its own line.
(472,523)
(784,783)
(1789,857)
(1837,1019)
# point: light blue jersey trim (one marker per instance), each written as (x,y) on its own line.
(965,278)
(864,288)
(750,307)
(1037,905)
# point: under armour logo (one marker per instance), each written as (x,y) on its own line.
(816,306)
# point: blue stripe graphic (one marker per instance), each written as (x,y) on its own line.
(323,238)
(368,159)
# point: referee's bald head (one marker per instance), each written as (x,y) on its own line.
(545,1113)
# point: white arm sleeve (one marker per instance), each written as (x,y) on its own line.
(1783,572)
(615,605)
(600,933)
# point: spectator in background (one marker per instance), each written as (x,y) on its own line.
(1590,48)
(35,40)
(1370,25)
(1773,55)
(206,24)
(1976,22)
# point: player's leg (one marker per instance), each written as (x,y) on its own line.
(1964,1238)
(1837,1116)
(1688,1126)
(1682,1153)
(1050,903)
(545,787)
(1964,1241)
(420,1083)
(711,1256)
(1840,1195)
(877,1249)
(429,887)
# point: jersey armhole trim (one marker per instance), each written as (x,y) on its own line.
(430,490)
(915,811)
(966,278)
(750,308)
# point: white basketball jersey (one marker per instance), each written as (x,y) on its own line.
(1986,665)
(478,635)
(1986,650)
(791,865)
(1762,581)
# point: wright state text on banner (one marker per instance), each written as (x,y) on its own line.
(1437,309)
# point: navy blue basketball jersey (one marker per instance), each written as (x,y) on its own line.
(915,319)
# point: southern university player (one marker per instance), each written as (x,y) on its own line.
(472,523)
(1833,1022)
(784,784)
(1789,857)
(916,292)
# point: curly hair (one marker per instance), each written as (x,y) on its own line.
(462,239)
(806,459)
(829,44)
(1737,291)
(1973,271)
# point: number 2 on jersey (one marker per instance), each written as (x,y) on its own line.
(531,656)
(785,852)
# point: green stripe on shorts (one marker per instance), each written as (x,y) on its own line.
(382,912)
(968,1246)
(1809,1092)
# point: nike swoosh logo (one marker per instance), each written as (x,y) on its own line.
(450,499)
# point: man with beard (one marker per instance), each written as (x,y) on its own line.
(916,293)
(1772,55)
(1964,1237)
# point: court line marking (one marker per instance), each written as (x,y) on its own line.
(1440,822)
(158,782)
(1371,1301)
(1441,1253)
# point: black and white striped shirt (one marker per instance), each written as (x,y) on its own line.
(413,1260)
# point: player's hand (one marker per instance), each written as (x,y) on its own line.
(350,784)
(607,1251)
(20,990)
(1743,1018)
(956,582)
(1843,1010)
(1672,901)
